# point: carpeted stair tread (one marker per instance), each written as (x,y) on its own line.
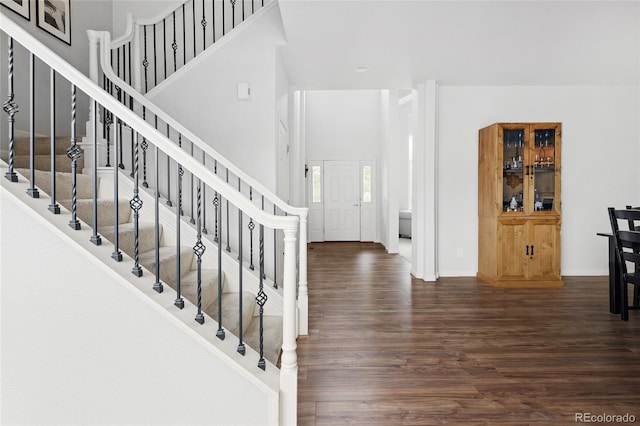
(84,187)
(272,329)
(43,162)
(126,236)
(42,145)
(168,262)
(208,284)
(230,309)
(105,211)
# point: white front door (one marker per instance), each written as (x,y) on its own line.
(342,201)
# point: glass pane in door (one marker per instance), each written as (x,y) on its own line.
(544,166)
(513,146)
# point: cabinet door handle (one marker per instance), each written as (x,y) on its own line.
(527,250)
(531,250)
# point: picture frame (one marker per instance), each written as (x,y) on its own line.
(54,16)
(21,7)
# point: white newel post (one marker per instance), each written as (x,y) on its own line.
(289,365)
(87,141)
(303,289)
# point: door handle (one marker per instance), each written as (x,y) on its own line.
(527,250)
(531,250)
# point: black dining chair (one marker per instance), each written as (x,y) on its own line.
(628,251)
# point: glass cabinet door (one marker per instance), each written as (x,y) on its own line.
(542,156)
(513,167)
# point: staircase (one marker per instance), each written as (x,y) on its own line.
(155,236)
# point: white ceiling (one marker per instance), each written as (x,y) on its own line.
(405,42)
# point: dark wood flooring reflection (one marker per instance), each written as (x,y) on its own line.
(386,349)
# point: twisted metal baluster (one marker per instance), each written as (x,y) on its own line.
(95,238)
(198,250)
(174,45)
(136,205)
(117,254)
(53,206)
(180,175)
(179,302)
(145,61)
(217,202)
(251,227)
(263,273)
(108,121)
(11,108)
(192,220)
(241,347)
(157,286)
(74,153)
(261,299)
(145,146)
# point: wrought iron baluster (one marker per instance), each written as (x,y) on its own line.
(157,286)
(117,254)
(164,47)
(198,250)
(174,45)
(132,153)
(155,58)
(184,36)
(95,238)
(242,10)
(261,299)
(32,190)
(241,347)
(136,205)
(11,108)
(213,21)
(204,29)
(169,203)
(251,227)
(204,201)
(108,120)
(145,146)
(118,65)
(233,13)
(145,61)
(179,302)
(129,62)
(180,175)
(193,11)
(263,274)
(215,203)
(74,153)
(53,206)
(218,203)
(253,7)
(224,29)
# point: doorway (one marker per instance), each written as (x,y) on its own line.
(341,201)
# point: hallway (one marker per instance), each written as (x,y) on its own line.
(385,349)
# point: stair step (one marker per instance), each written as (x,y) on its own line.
(105,211)
(84,187)
(42,145)
(168,262)
(43,162)
(272,326)
(230,309)
(208,285)
(126,237)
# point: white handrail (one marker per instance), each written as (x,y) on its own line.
(105,46)
(94,91)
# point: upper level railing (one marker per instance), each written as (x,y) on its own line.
(152,49)
(181,162)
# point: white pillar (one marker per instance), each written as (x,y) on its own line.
(137,48)
(303,289)
(289,365)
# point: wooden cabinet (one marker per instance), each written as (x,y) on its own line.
(519,209)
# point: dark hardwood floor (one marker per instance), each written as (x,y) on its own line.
(386,349)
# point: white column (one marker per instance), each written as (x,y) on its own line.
(303,290)
(137,48)
(289,365)
(431,181)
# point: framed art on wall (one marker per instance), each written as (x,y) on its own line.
(21,7)
(54,16)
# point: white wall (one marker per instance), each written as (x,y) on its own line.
(82,347)
(600,152)
(85,14)
(243,131)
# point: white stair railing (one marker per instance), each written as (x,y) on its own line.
(162,145)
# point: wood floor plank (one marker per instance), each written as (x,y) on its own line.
(386,349)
